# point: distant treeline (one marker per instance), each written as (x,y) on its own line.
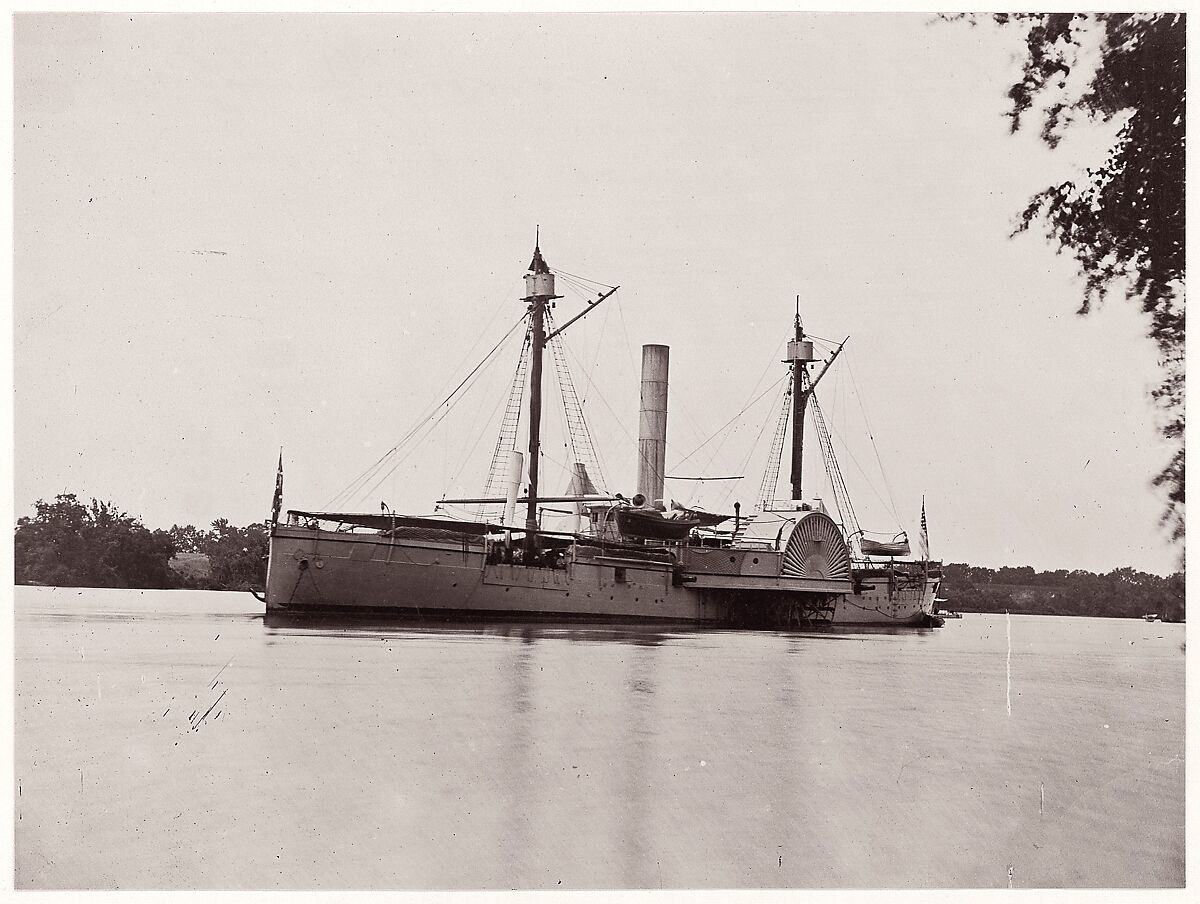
(1122,593)
(70,544)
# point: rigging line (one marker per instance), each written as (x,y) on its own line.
(584,292)
(510,426)
(712,457)
(833,469)
(882,473)
(589,305)
(586,286)
(498,309)
(593,287)
(429,426)
(725,435)
(596,358)
(750,451)
(562,465)
(560,408)
(564,468)
(600,396)
(625,333)
(721,444)
(718,431)
(402,458)
(843,408)
(581,278)
(358,483)
(577,431)
(478,436)
(770,480)
(757,382)
(633,369)
(839,397)
(620,423)
(369,473)
(766,370)
(862,472)
(422,435)
(697,433)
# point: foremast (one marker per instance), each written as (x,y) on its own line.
(539,292)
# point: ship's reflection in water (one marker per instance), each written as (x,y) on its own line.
(333,625)
(639,755)
(640,633)
(368,753)
(619,754)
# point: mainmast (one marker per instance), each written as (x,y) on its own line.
(799,354)
(539,290)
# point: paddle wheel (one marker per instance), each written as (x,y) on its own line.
(815,549)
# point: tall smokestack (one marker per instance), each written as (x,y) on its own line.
(652,425)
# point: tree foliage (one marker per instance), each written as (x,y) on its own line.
(69,544)
(1122,593)
(237,555)
(1122,220)
(188,538)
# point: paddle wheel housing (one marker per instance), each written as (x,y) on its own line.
(815,548)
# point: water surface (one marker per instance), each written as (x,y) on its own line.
(172,739)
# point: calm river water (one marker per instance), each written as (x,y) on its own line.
(171,739)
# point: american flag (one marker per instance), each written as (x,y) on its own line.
(277,503)
(923,538)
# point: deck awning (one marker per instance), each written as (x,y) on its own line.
(387,522)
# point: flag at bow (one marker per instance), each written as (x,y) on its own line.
(923,538)
(277,503)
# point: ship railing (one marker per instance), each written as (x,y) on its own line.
(930,567)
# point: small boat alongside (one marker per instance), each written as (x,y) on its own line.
(944,613)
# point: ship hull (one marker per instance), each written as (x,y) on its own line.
(889,596)
(321,571)
(874,607)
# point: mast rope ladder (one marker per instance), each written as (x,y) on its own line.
(770,481)
(841,496)
(582,448)
(506,441)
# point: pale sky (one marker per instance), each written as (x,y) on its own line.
(240,232)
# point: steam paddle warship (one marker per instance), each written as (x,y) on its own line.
(786,565)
